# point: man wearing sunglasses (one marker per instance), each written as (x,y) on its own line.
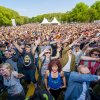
(92,61)
(95,54)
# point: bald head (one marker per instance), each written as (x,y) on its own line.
(83,69)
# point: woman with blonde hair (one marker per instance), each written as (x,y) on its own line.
(10,79)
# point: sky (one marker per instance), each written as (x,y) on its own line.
(32,8)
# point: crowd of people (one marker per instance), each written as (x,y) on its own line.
(65,59)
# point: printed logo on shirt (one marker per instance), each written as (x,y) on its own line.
(27,60)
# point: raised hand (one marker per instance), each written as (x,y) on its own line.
(37,42)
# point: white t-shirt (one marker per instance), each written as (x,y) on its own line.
(66,68)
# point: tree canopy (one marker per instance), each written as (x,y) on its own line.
(80,13)
(7,14)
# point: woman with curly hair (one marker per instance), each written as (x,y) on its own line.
(54,78)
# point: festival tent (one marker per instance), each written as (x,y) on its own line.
(45,21)
(55,21)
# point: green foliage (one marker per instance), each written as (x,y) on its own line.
(92,14)
(62,17)
(96,6)
(7,14)
(80,13)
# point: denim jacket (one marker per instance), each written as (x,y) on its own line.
(75,84)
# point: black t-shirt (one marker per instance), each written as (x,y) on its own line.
(28,59)
(54,49)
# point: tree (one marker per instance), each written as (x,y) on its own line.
(7,14)
(92,13)
(96,7)
(79,13)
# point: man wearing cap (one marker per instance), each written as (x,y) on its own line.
(28,61)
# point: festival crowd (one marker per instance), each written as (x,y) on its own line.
(62,60)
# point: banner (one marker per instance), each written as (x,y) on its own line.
(13,22)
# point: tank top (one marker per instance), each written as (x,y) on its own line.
(54,83)
(44,66)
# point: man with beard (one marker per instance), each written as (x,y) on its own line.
(28,61)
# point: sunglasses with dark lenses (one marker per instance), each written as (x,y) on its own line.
(96,54)
(47,53)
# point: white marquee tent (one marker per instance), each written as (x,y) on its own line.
(45,21)
(55,21)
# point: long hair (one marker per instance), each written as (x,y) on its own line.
(55,62)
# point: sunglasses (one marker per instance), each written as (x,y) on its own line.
(47,53)
(96,54)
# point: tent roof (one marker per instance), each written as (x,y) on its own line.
(55,21)
(45,21)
